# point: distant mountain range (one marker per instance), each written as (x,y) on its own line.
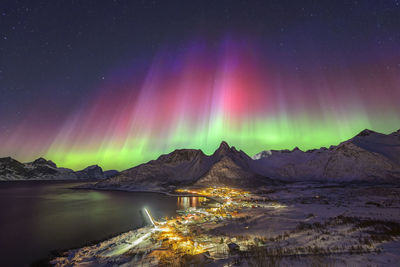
(369,157)
(41,169)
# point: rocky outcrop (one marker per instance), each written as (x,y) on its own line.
(262,154)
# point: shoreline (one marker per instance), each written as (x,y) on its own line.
(140,191)
(147,191)
(59,252)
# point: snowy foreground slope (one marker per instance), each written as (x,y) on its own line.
(368,157)
(41,169)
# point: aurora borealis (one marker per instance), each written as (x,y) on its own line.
(237,87)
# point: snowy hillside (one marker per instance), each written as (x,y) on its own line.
(368,156)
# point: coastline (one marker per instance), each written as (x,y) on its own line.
(289,225)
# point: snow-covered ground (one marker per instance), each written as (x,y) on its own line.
(300,224)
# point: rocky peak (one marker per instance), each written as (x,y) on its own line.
(224,149)
(365,132)
(42,161)
(9,161)
(91,172)
(179,155)
(93,167)
(396,133)
(224,146)
(262,154)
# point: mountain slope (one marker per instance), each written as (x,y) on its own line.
(226,172)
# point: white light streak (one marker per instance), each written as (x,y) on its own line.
(148,214)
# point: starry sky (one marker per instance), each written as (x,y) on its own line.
(118,83)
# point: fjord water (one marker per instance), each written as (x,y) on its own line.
(37,217)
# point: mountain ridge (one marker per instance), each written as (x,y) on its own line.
(368,156)
(42,169)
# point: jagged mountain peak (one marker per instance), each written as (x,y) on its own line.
(366,132)
(7,159)
(223,148)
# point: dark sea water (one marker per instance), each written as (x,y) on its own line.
(37,217)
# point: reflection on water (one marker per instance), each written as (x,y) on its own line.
(188,202)
(37,217)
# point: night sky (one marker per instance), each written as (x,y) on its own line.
(117,83)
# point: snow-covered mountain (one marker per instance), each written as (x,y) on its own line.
(41,169)
(226,166)
(368,156)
